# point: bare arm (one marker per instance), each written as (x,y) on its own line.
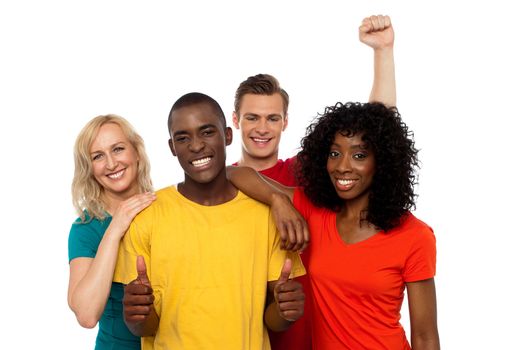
(377,32)
(257,186)
(292,227)
(91,278)
(423,315)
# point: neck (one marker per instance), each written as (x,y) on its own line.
(258,164)
(354,209)
(215,192)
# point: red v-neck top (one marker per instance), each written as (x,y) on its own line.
(358,288)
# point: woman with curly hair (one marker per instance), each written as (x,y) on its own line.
(357,173)
(111,186)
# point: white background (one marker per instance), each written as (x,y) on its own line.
(64,62)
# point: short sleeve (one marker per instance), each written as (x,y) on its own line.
(278,256)
(134,243)
(84,238)
(421,261)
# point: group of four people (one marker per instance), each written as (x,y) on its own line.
(203,265)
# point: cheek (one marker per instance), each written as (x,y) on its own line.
(129,157)
(369,170)
(278,129)
(96,169)
(245,128)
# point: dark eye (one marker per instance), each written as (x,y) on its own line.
(118,149)
(208,132)
(274,118)
(250,118)
(97,156)
(181,139)
(334,154)
(360,156)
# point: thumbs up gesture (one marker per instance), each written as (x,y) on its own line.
(289,295)
(138,297)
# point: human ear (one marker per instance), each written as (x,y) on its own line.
(285,122)
(228,135)
(171,145)
(235,119)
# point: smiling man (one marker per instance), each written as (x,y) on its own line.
(205,263)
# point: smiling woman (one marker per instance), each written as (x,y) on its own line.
(111,186)
(357,175)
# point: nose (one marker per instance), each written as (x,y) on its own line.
(196,145)
(262,126)
(343,165)
(111,162)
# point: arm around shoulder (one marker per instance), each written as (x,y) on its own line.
(257,186)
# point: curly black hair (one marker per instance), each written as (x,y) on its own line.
(392,190)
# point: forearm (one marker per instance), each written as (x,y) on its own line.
(384,83)
(256,186)
(273,319)
(89,296)
(426,342)
(423,315)
(145,328)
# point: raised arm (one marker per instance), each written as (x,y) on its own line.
(91,278)
(377,32)
(291,225)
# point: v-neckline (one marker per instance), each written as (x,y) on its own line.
(363,241)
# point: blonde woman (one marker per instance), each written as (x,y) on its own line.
(111,186)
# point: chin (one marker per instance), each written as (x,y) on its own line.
(262,153)
(202,178)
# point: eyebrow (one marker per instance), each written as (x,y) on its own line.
(112,146)
(257,115)
(359,145)
(203,127)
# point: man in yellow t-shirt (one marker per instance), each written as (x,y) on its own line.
(208,250)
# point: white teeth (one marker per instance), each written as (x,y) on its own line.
(345,182)
(116,175)
(260,140)
(200,162)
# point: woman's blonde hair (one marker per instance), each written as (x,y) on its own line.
(87,193)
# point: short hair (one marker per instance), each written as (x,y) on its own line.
(261,84)
(87,193)
(392,189)
(194,98)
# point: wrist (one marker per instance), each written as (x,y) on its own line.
(278,197)
(384,51)
(111,236)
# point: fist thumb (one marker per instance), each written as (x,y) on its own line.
(285,272)
(142,271)
(365,26)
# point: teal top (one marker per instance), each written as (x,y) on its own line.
(113,334)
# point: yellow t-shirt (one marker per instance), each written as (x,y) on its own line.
(209,267)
